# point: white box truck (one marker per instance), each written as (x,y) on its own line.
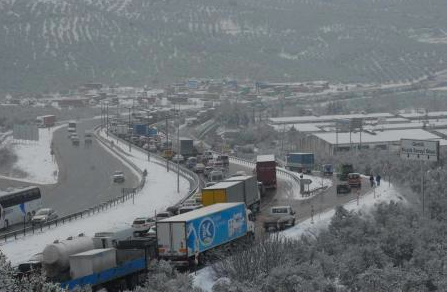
(184,238)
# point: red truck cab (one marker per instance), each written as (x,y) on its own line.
(266,170)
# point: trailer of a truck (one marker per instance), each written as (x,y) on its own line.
(122,130)
(139,129)
(185,237)
(301,162)
(229,192)
(266,170)
(46,121)
(252,197)
(186,147)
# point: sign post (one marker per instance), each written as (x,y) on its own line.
(422,150)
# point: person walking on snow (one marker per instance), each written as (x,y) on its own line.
(371,180)
(378,180)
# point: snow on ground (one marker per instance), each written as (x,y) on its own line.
(316,182)
(205,278)
(159,192)
(34,158)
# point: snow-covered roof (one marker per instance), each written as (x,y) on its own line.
(200,212)
(265,158)
(222,185)
(309,119)
(304,127)
(381,136)
(423,114)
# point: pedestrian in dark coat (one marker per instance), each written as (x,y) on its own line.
(378,179)
(371,180)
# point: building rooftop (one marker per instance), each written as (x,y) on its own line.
(310,119)
(380,136)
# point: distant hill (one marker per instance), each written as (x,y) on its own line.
(53,44)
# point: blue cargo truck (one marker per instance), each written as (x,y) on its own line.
(184,238)
(139,129)
(301,162)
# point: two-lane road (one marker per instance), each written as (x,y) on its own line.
(85,174)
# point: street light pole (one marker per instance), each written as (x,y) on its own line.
(130,149)
(178,147)
(107,125)
(167,143)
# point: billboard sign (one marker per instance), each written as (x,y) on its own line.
(356,124)
(423,150)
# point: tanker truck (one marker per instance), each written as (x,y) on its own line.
(55,256)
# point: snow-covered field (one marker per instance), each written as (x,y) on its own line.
(205,278)
(159,192)
(34,158)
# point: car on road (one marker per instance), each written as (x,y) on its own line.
(118,177)
(279,218)
(216,176)
(178,158)
(44,215)
(239,173)
(343,188)
(199,168)
(152,148)
(189,208)
(163,215)
(355,180)
(142,224)
(152,232)
(88,137)
(207,170)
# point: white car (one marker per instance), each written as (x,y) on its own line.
(141,224)
(152,232)
(44,215)
(163,215)
(118,177)
(178,158)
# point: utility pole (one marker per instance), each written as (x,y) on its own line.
(422,189)
(107,126)
(178,147)
(167,143)
(130,149)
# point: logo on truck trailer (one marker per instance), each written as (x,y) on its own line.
(206,231)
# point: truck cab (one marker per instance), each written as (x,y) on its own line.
(279,218)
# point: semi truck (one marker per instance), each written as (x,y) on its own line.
(236,189)
(186,147)
(301,162)
(266,170)
(139,129)
(46,121)
(79,262)
(344,170)
(184,239)
(122,130)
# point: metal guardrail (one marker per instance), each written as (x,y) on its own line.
(191,176)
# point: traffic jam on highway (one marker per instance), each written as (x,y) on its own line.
(224,211)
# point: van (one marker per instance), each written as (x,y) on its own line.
(110,238)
